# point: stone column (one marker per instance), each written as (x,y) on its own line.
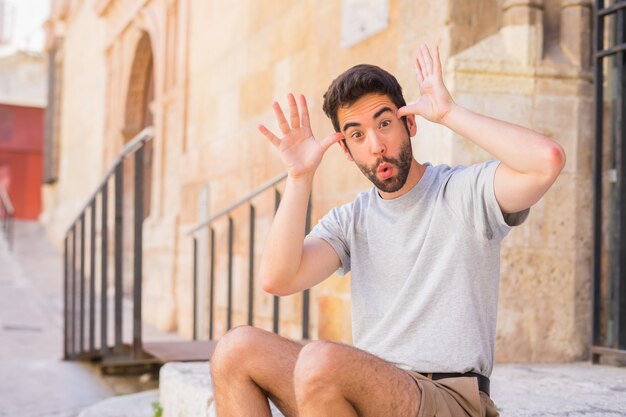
(575,36)
(523,29)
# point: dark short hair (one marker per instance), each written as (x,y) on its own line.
(357,82)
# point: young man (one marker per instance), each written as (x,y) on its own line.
(423,247)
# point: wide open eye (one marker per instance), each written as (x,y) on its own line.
(356,135)
(384,123)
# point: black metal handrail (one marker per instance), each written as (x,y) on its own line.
(79,319)
(7,214)
(208,225)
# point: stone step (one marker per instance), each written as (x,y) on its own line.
(186,390)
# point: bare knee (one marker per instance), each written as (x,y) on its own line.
(317,370)
(233,350)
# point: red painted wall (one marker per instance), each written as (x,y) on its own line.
(21,157)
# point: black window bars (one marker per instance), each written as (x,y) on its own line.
(86,324)
(609,182)
(208,226)
(7,214)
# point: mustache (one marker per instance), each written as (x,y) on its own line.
(386,159)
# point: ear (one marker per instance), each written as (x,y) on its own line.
(410,121)
(346,151)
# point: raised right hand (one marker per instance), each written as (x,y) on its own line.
(299,150)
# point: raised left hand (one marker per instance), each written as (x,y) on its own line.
(435,101)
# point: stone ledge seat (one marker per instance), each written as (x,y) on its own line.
(519,390)
(185,389)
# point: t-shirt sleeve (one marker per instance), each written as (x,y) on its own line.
(334,228)
(471,195)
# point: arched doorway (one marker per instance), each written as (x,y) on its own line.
(139,98)
(137,116)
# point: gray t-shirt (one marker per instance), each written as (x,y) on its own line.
(425,269)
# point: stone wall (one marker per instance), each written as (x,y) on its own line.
(217,68)
(535,72)
(82,114)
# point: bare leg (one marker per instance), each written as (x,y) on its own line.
(322,378)
(248,366)
(339,380)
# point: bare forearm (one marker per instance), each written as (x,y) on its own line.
(283,252)
(521,149)
(531,162)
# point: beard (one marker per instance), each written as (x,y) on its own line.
(402,163)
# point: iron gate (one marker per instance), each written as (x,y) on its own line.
(609,218)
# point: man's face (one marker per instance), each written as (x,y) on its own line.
(377,140)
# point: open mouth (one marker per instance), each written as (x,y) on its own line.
(385,170)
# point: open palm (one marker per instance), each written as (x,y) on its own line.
(299,150)
(435,101)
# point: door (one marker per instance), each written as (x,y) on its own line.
(609,263)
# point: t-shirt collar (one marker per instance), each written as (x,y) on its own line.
(413,194)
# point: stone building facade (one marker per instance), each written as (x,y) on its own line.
(204,74)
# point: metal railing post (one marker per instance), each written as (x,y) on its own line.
(231,232)
(251,268)
(104,262)
(306,296)
(7,211)
(81,273)
(211,283)
(65,297)
(195,288)
(137,257)
(118,248)
(73,292)
(276,314)
(92,276)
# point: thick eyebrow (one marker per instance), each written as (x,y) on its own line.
(349,125)
(376,115)
(381,111)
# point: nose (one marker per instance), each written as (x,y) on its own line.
(377,145)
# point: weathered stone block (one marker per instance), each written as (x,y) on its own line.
(522,12)
(186,389)
(533,325)
(575,36)
(554,224)
(523,30)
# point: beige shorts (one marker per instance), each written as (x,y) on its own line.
(452,397)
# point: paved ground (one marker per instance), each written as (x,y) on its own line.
(34,381)
(567,390)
